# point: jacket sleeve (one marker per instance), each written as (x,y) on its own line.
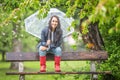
(43,38)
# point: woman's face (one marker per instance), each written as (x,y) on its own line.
(54,22)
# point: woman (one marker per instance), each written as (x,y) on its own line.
(51,39)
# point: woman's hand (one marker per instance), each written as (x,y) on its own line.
(43,48)
(48,42)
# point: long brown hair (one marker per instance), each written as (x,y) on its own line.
(58,29)
(58,26)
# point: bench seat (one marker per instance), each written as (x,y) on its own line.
(36,73)
(66,56)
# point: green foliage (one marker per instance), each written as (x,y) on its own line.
(112,42)
(5,43)
(75,35)
(12,21)
(113,62)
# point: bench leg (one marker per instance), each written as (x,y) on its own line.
(93,68)
(22,77)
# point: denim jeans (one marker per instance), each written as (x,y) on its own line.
(56,51)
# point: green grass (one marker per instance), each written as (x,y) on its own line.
(34,67)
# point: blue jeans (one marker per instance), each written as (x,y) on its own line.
(56,51)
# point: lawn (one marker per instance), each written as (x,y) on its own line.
(34,67)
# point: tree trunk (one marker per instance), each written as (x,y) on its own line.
(16,48)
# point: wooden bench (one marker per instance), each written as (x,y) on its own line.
(66,56)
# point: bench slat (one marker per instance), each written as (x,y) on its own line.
(66,56)
(36,73)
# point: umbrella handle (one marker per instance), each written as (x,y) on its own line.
(49,34)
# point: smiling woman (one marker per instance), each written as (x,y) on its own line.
(51,40)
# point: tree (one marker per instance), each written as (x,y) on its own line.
(12,20)
(105,12)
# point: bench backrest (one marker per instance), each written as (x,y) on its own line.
(66,56)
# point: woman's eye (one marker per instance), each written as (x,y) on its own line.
(54,21)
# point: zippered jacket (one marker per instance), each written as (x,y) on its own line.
(46,34)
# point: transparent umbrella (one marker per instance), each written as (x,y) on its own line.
(34,25)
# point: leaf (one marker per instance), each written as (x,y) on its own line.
(111,31)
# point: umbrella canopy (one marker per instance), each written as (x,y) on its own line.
(34,25)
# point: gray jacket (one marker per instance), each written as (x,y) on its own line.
(46,34)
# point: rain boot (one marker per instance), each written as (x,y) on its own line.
(57,63)
(42,63)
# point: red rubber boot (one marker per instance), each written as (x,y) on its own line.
(42,63)
(57,63)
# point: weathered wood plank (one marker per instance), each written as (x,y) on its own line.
(66,56)
(37,73)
